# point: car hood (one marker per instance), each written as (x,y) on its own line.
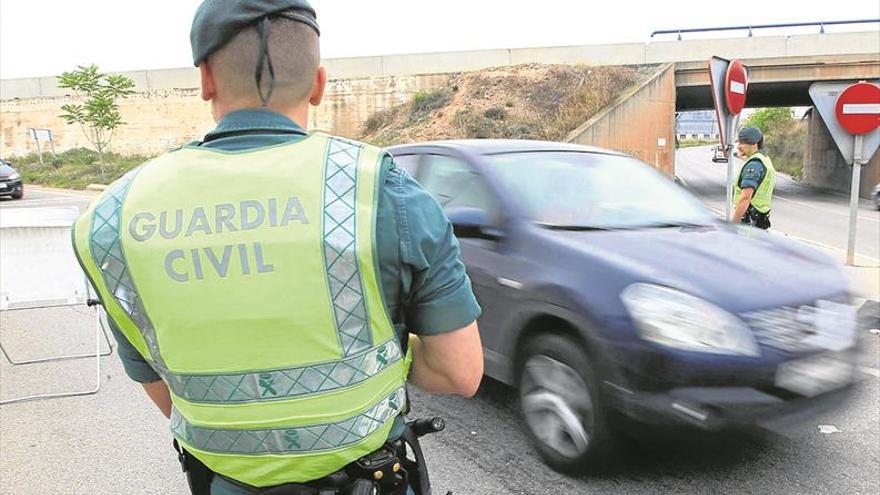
(739,268)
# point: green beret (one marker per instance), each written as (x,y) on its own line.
(750,135)
(218,21)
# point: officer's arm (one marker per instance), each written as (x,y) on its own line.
(743,204)
(750,179)
(160,396)
(448,363)
(440,308)
(138,369)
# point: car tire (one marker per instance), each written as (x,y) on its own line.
(561,405)
(18,195)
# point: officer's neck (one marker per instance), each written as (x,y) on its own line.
(299,114)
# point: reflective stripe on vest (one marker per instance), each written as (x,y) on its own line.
(260,308)
(763,195)
(284,383)
(313,438)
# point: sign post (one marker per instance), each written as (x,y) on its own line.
(42,135)
(852,114)
(857,111)
(730,81)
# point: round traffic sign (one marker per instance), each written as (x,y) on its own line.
(858,108)
(735,84)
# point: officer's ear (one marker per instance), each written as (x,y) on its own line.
(209,86)
(317,93)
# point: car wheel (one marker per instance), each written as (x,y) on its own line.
(18,195)
(561,404)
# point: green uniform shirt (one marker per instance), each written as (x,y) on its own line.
(423,281)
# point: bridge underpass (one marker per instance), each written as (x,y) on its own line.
(785,82)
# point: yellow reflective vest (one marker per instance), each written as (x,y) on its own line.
(248,280)
(764,194)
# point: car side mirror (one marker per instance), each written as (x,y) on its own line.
(472,223)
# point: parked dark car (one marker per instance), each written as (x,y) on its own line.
(10,181)
(609,292)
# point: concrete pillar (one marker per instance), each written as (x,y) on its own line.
(824,166)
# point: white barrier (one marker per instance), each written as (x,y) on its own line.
(37,264)
(38,269)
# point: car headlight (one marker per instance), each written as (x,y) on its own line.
(672,318)
(15,176)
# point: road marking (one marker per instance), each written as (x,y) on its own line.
(834,248)
(825,209)
(28,202)
(506,282)
(62,194)
(869,371)
(828,429)
(689,412)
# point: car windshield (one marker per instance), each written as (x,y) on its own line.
(577,190)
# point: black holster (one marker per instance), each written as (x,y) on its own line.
(756,218)
(418,469)
(198,476)
(354,479)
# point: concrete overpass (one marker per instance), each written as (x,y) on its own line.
(168,112)
(779,55)
(776,82)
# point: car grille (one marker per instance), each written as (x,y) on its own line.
(794,329)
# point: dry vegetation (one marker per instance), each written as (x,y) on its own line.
(526,102)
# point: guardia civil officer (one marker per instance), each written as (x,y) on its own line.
(273,290)
(753,190)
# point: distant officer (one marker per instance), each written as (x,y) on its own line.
(273,290)
(753,190)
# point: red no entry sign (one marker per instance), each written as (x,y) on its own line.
(735,85)
(858,108)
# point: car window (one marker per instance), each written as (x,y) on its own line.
(455,184)
(590,190)
(410,163)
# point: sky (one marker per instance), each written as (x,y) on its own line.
(45,38)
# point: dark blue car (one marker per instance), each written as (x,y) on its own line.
(609,292)
(10,181)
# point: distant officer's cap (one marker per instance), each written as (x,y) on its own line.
(218,21)
(750,135)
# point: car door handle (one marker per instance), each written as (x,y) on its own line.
(506,282)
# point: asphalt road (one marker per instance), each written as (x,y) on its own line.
(798,210)
(115,442)
(37,197)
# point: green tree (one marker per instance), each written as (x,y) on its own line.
(784,138)
(98,114)
(770,118)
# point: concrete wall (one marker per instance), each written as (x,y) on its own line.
(155,122)
(159,120)
(641,123)
(168,112)
(825,167)
(655,52)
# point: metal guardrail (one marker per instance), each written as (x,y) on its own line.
(821,25)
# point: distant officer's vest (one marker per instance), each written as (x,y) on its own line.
(249,281)
(764,193)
